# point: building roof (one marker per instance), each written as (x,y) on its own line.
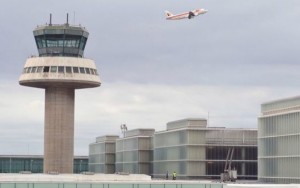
(188,122)
(140,132)
(280,105)
(110,138)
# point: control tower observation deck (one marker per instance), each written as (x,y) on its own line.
(59,69)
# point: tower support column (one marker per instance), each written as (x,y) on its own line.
(59,130)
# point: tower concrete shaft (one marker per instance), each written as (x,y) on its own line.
(59,130)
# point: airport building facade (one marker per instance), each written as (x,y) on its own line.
(194,151)
(188,147)
(34,164)
(134,152)
(278,141)
(102,154)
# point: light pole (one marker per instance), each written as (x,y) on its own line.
(123,129)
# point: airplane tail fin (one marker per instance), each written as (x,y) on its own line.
(168,13)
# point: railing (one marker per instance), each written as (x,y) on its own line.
(152,184)
(239,141)
(67,24)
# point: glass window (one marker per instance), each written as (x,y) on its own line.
(87,70)
(77,43)
(24,70)
(33,69)
(28,69)
(53,69)
(40,41)
(68,43)
(61,69)
(82,70)
(75,70)
(72,41)
(46,69)
(92,71)
(60,43)
(43,43)
(39,69)
(82,43)
(96,71)
(52,43)
(52,40)
(68,69)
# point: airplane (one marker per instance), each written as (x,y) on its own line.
(189,15)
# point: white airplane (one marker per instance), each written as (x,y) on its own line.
(189,15)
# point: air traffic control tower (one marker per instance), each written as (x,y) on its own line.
(59,69)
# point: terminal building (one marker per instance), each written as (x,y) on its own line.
(196,151)
(278,141)
(188,147)
(134,152)
(34,164)
(102,154)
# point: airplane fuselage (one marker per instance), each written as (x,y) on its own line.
(185,15)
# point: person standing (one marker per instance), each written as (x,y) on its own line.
(174,175)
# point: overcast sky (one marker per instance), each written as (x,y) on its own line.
(153,71)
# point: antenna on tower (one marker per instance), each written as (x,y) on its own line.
(50,22)
(74,18)
(67,18)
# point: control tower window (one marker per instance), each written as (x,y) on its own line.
(24,70)
(46,69)
(54,40)
(68,69)
(95,72)
(75,70)
(33,69)
(82,43)
(61,69)
(82,70)
(92,71)
(60,43)
(72,41)
(39,69)
(53,68)
(52,43)
(28,69)
(40,41)
(87,70)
